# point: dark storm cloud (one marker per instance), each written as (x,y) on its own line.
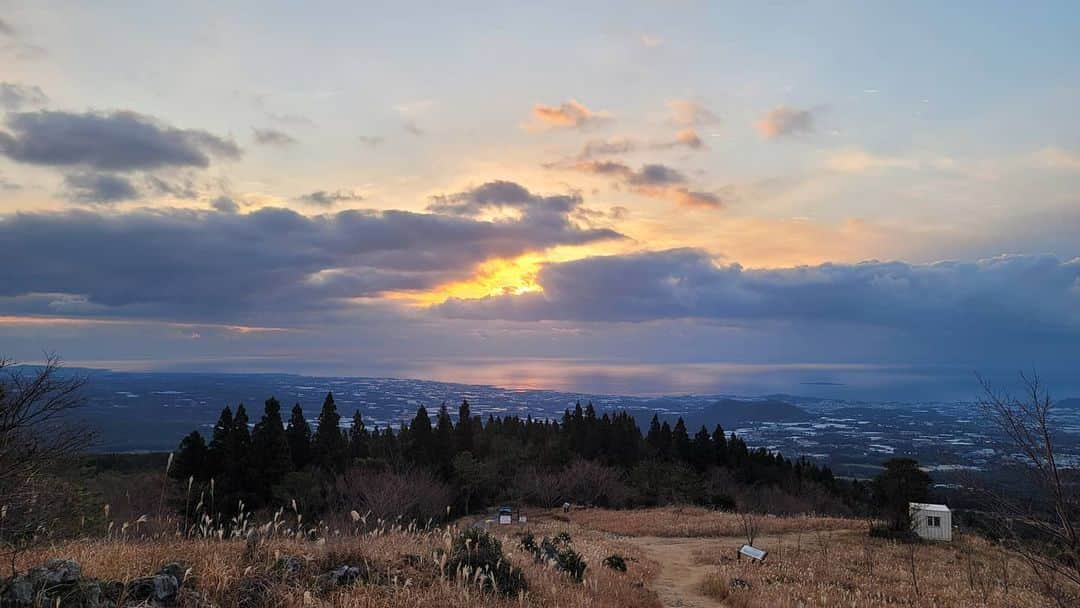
(99,188)
(15,96)
(324,198)
(225,266)
(1007,293)
(272,137)
(115,141)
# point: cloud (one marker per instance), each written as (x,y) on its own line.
(115,141)
(687,138)
(17,43)
(371,140)
(99,188)
(615,146)
(496,196)
(225,204)
(783,121)
(324,198)
(1022,293)
(183,188)
(607,147)
(7,185)
(272,137)
(412,128)
(571,115)
(690,113)
(267,264)
(652,180)
(15,96)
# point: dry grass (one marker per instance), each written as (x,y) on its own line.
(404,565)
(687,521)
(850,569)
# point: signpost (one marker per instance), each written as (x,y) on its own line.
(752,552)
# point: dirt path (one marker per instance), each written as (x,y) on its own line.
(680,574)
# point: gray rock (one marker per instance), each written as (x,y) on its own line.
(290,565)
(157,589)
(343,575)
(56,572)
(16,591)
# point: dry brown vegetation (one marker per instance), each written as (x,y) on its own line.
(685,521)
(400,567)
(847,568)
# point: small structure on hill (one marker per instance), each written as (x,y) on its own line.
(930,521)
(506,515)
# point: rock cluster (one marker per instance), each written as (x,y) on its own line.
(59,582)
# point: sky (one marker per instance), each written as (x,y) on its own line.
(656,196)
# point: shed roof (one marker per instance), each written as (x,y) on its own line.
(926,506)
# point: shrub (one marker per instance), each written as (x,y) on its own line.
(615,562)
(557,552)
(475,550)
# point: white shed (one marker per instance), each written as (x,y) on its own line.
(930,521)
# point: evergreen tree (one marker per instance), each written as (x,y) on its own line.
(720,446)
(359,443)
(901,483)
(421,439)
(191,458)
(221,445)
(702,453)
(653,438)
(328,447)
(680,441)
(270,459)
(444,441)
(665,441)
(299,436)
(463,433)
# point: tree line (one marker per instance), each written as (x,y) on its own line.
(479,459)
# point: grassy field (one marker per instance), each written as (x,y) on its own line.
(674,556)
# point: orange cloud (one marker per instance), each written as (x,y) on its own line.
(571,115)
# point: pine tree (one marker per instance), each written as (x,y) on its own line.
(221,445)
(701,450)
(299,437)
(444,441)
(421,439)
(720,446)
(359,444)
(464,431)
(328,447)
(653,438)
(680,441)
(270,458)
(665,440)
(191,458)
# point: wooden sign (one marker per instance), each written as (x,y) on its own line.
(752,552)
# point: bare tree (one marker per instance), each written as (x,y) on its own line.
(1041,527)
(36,436)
